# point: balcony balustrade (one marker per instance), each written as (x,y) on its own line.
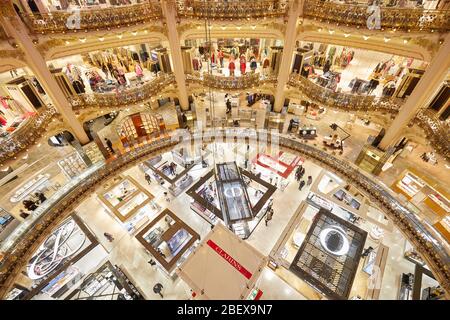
(343,101)
(123,98)
(437,131)
(232,9)
(251,80)
(27,134)
(95,19)
(406,19)
(425,239)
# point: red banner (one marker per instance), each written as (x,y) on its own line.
(229,259)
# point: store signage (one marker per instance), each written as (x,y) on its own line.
(229,259)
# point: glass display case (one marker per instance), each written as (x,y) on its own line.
(167,238)
(129,202)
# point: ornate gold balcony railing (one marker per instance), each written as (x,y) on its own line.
(251,80)
(425,240)
(96,19)
(407,19)
(27,134)
(123,98)
(231,9)
(343,101)
(437,131)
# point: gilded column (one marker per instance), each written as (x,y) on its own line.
(290,36)
(15,28)
(169,10)
(422,94)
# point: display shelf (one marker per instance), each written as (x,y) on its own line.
(204,213)
(29,187)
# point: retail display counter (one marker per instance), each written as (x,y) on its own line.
(167,238)
(130,202)
(38,183)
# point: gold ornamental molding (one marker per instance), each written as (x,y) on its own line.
(124,98)
(232,10)
(422,49)
(391,18)
(70,45)
(7,9)
(148,12)
(196,30)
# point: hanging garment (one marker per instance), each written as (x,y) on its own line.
(138,70)
(266,63)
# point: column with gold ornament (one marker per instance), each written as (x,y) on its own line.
(295,8)
(170,13)
(427,87)
(16,29)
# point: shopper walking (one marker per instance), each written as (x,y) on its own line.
(166,195)
(158,289)
(148,178)
(108,236)
(308,183)
(269,216)
(301,185)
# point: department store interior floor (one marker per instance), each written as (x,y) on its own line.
(128,253)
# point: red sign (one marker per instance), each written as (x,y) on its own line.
(229,259)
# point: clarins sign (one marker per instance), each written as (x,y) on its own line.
(229,259)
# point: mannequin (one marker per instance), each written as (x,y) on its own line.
(231,67)
(243,64)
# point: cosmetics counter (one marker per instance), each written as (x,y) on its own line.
(130,203)
(169,240)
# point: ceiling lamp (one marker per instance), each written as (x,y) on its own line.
(101,38)
(224,27)
(405,41)
(239,28)
(67,43)
(366,37)
(346,35)
(386,39)
(120,36)
(82,40)
(331,31)
(253,27)
(134,33)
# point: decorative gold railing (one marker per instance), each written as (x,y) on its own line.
(232,9)
(125,97)
(343,101)
(425,240)
(407,19)
(96,19)
(27,134)
(251,80)
(437,131)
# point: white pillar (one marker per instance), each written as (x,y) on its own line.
(290,36)
(169,11)
(423,93)
(16,29)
